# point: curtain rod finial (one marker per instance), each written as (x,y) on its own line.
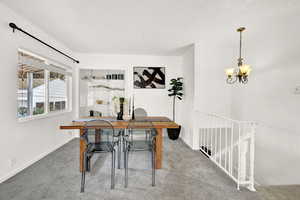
(13,26)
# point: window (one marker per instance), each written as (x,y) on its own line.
(57,91)
(42,87)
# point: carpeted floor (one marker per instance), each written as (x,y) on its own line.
(280,192)
(186,174)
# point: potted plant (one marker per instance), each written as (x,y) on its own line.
(176,93)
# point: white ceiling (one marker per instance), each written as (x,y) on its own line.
(144,26)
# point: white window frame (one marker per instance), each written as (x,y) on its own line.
(47,113)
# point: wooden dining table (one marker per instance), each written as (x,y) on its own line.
(159,123)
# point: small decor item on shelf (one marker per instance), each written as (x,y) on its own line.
(175,91)
(99,102)
(114,76)
(120,114)
(108,76)
(120,76)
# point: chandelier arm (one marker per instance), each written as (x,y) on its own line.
(244,79)
(231,80)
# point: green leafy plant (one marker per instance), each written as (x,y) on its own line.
(176,91)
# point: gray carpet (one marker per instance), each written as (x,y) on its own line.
(280,192)
(186,174)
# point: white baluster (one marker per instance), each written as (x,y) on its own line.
(216,137)
(211,144)
(239,156)
(252,151)
(231,148)
(226,147)
(220,145)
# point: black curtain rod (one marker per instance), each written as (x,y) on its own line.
(14,27)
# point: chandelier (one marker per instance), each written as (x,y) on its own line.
(242,71)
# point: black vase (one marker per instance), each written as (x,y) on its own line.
(173,133)
(91,113)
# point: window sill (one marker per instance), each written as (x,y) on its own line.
(43,116)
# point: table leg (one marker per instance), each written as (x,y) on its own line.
(81,150)
(159,148)
(97,136)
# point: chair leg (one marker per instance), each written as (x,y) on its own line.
(83,172)
(153,166)
(124,151)
(113,168)
(146,135)
(126,167)
(88,164)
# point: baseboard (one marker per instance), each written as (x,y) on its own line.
(24,166)
(186,143)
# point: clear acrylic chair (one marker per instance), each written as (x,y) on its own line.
(107,143)
(141,114)
(133,141)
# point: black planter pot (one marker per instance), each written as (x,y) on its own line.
(173,133)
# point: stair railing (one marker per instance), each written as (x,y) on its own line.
(230,145)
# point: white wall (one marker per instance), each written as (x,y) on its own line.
(185,111)
(269,99)
(212,95)
(23,143)
(155,101)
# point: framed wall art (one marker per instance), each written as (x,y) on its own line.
(149,77)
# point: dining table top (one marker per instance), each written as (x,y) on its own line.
(155,121)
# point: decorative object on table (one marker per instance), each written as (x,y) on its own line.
(149,77)
(175,92)
(97,114)
(132,116)
(242,72)
(129,106)
(117,102)
(120,114)
(94,113)
(91,113)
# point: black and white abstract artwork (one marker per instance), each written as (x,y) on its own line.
(149,77)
